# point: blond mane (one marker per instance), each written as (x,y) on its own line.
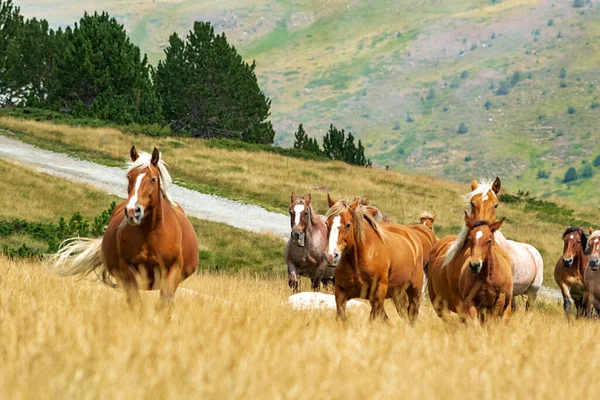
(485,186)
(594,235)
(426,215)
(359,215)
(144,161)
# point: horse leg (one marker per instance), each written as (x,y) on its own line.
(414,302)
(471,313)
(377,300)
(578,306)
(126,279)
(498,310)
(340,303)
(169,286)
(507,310)
(315,284)
(566,299)
(514,304)
(292,276)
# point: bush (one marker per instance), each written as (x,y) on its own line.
(543,174)
(473,47)
(455,83)
(562,74)
(550,22)
(431,94)
(597,161)
(571,110)
(503,89)
(464,74)
(462,128)
(409,118)
(516,77)
(562,84)
(587,172)
(488,104)
(468,158)
(570,175)
(578,3)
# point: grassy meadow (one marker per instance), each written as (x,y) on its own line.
(237,339)
(267,179)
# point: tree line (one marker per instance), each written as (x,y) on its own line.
(202,88)
(336,146)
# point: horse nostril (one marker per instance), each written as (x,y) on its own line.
(138,210)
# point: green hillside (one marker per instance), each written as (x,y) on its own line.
(404,75)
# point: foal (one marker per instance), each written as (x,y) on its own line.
(570,269)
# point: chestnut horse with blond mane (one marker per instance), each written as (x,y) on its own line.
(485,282)
(149,243)
(373,261)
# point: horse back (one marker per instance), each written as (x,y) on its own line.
(406,257)
(442,283)
(427,239)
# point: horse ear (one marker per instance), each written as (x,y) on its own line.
(133,153)
(496,185)
(294,197)
(496,225)
(591,230)
(308,199)
(365,201)
(155,156)
(433,218)
(330,200)
(581,229)
(355,204)
(469,220)
(474,184)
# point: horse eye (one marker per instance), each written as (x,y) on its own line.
(490,241)
(153,180)
(496,206)
(472,205)
(348,226)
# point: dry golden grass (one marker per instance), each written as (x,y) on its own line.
(268,179)
(238,339)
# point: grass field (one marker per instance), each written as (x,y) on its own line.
(268,179)
(63,338)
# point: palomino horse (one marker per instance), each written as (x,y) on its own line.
(426,219)
(570,269)
(305,251)
(373,260)
(149,242)
(449,254)
(591,276)
(486,284)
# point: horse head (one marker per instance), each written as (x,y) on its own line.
(483,199)
(426,219)
(575,242)
(144,175)
(593,249)
(343,224)
(300,218)
(481,237)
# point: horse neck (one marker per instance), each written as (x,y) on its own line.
(314,226)
(579,261)
(491,262)
(157,211)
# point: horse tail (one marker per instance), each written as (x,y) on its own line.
(81,256)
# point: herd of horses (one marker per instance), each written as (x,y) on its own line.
(150,244)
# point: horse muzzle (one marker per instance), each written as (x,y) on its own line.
(594,263)
(134,215)
(332,259)
(475,267)
(568,262)
(298,239)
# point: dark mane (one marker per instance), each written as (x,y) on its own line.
(480,223)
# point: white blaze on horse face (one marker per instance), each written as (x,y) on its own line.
(333,236)
(478,235)
(133,200)
(298,213)
(571,237)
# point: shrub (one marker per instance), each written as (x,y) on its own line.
(409,118)
(516,77)
(488,104)
(468,158)
(571,110)
(462,128)
(562,84)
(562,74)
(473,47)
(587,172)
(431,94)
(570,175)
(543,174)
(502,89)
(455,83)
(464,74)
(597,161)
(578,3)
(550,22)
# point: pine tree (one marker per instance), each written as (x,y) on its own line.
(97,72)
(570,175)
(339,147)
(300,139)
(11,23)
(208,90)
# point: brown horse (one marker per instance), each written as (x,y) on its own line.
(305,251)
(373,260)
(570,270)
(424,230)
(485,281)
(591,276)
(448,255)
(149,242)
(426,219)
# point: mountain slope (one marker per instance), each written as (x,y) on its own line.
(372,68)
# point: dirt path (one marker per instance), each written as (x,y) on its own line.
(112,180)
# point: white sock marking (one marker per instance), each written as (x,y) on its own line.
(333,236)
(138,182)
(298,208)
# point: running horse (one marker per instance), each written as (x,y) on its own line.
(591,278)
(149,242)
(373,260)
(305,250)
(486,284)
(570,270)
